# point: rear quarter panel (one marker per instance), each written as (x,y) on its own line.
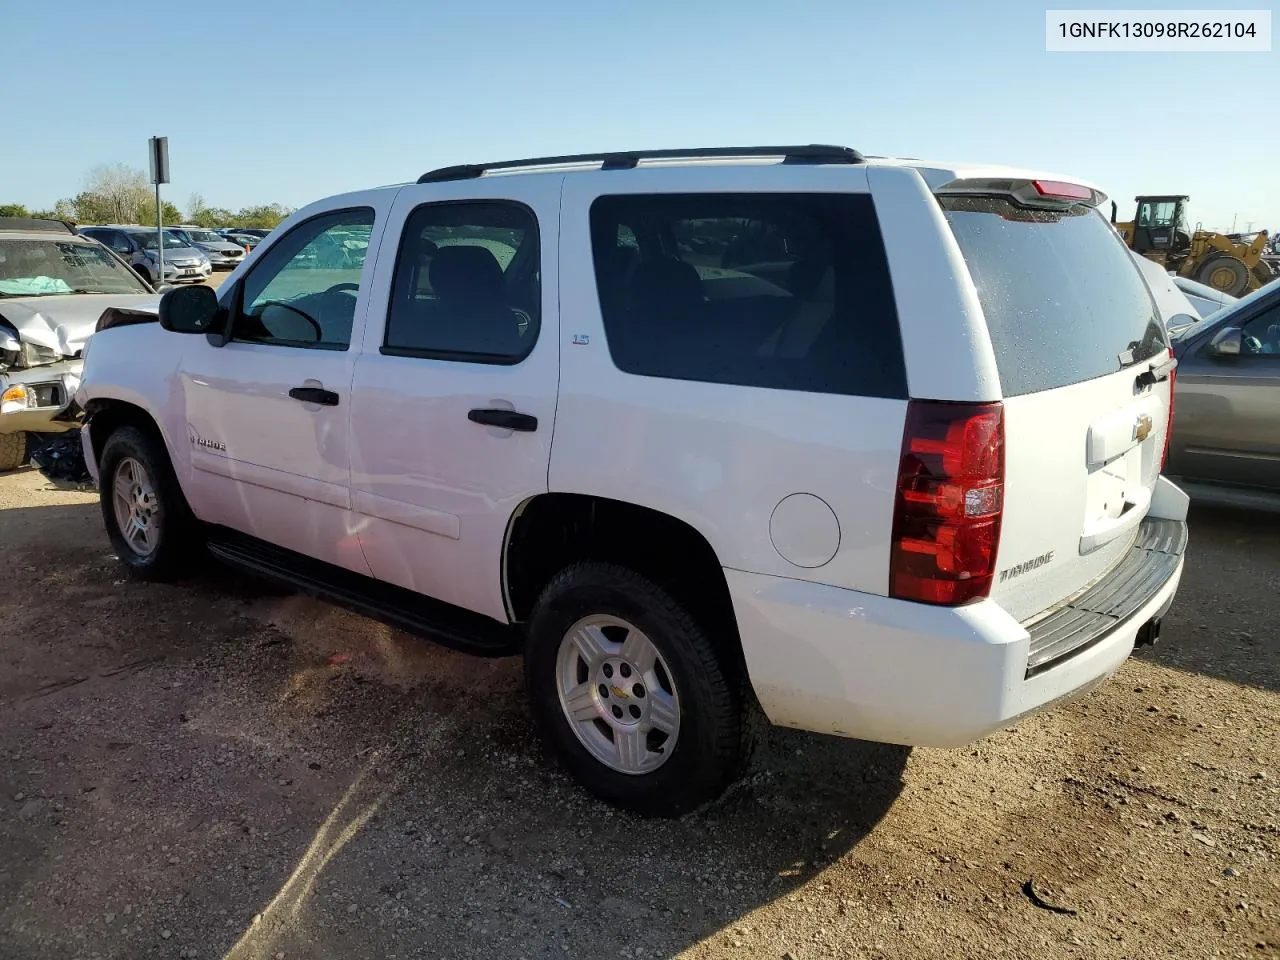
(720,457)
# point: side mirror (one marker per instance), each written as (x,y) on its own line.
(189,310)
(1227,342)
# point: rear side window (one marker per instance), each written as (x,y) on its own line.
(1063,299)
(785,291)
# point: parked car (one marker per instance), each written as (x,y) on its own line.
(247,240)
(880,451)
(221,252)
(1226,435)
(53,287)
(138,246)
(1204,298)
(1170,298)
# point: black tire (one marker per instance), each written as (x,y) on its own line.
(1224,261)
(712,746)
(13,451)
(179,542)
(145,274)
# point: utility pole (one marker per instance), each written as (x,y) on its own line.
(159,154)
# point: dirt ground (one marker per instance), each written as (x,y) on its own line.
(219,770)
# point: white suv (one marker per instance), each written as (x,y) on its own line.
(875,444)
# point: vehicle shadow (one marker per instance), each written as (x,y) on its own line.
(1221,622)
(360,792)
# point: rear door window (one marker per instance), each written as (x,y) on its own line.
(1064,302)
(785,291)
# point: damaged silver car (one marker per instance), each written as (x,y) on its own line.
(54,285)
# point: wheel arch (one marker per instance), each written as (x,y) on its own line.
(550,531)
(105,415)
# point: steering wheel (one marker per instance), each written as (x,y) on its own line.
(337,287)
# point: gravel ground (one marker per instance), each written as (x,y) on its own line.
(219,770)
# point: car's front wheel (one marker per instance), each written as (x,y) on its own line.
(630,692)
(13,451)
(146,516)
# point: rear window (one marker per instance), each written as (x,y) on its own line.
(784,291)
(1064,301)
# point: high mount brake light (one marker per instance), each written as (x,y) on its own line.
(1060,190)
(949,502)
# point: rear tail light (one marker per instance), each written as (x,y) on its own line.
(949,502)
(1168,428)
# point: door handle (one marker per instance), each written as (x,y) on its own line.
(318,395)
(507,419)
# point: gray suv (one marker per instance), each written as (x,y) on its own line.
(137,245)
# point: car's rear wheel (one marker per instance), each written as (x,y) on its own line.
(146,516)
(630,692)
(13,451)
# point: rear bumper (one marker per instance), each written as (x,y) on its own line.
(852,664)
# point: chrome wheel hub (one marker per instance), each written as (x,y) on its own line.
(136,506)
(617,694)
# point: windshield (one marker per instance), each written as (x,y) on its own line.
(148,239)
(1064,302)
(204,236)
(33,268)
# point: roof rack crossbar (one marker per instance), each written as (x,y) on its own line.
(628,159)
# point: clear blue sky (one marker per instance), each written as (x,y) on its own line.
(264,100)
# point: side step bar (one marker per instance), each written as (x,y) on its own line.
(405,610)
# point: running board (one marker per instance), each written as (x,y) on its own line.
(430,619)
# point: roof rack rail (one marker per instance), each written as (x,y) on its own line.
(628,159)
(37,224)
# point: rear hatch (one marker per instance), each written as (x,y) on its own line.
(1083,359)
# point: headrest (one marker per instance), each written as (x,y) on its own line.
(465,272)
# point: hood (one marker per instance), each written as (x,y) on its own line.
(1170,301)
(221,246)
(177,253)
(64,323)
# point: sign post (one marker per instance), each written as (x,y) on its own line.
(158,149)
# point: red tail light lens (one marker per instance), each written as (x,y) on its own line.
(1168,429)
(950,499)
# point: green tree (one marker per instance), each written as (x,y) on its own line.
(114,193)
(211,217)
(266,216)
(147,213)
(13,210)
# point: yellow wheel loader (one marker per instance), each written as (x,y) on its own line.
(1159,232)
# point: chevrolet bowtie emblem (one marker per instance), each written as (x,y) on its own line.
(1142,428)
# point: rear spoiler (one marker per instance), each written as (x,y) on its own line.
(1048,194)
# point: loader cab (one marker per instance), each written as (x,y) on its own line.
(1160,226)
